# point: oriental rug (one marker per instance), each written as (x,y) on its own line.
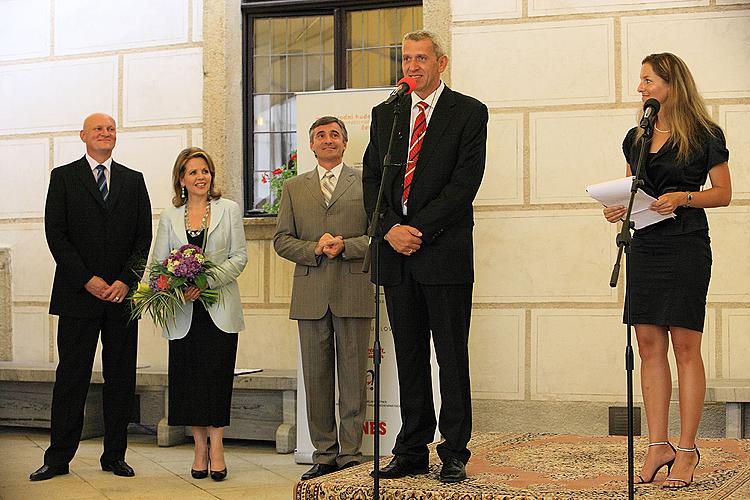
(546,466)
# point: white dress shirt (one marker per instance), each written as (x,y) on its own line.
(107,167)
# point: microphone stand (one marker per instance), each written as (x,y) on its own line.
(623,240)
(374,232)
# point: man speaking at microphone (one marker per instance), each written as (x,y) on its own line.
(426,257)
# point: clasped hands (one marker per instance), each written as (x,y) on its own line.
(330,245)
(116,292)
(664,205)
(404,239)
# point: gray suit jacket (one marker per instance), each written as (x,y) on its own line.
(320,282)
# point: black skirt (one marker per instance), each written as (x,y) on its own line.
(668,279)
(201,373)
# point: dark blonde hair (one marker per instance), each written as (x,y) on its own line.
(178,172)
(684,108)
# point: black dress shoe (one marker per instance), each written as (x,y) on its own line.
(400,467)
(118,468)
(199,474)
(219,475)
(453,471)
(48,472)
(318,470)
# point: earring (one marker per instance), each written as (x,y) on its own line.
(183,193)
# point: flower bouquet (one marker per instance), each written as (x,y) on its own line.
(276,179)
(165,291)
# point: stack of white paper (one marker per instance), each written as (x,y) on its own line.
(617,192)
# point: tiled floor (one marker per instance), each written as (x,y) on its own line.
(256,471)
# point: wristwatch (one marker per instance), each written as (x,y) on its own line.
(689,199)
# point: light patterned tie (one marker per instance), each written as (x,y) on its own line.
(417,137)
(101,181)
(326,186)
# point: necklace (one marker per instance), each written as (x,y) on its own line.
(660,130)
(203,226)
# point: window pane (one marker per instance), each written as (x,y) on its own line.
(313,73)
(296,74)
(278,35)
(327,73)
(261,37)
(262,113)
(278,74)
(313,40)
(327,30)
(355,69)
(281,116)
(296,35)
(262,74)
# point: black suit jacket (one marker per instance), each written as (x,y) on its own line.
(88,237)
(446,180)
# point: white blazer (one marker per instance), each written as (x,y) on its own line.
(225,247)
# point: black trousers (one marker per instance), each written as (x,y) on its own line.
(415,310)
(77,339)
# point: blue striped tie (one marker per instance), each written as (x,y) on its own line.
(101,181)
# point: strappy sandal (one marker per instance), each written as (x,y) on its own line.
(668,464)
(682,483)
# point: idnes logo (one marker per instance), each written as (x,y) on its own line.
(369,428)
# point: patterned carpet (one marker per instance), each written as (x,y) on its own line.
(538,466)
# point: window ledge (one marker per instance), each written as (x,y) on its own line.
(259,228)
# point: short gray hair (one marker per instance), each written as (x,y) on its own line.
(325,120)
(427,35)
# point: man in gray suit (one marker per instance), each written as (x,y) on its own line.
(321,227)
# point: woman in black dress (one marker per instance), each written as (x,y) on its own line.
(203,340)
(671,260)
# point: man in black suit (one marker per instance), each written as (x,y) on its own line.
(98,225)
(426,257)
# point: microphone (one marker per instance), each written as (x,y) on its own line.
(405,86)
(650,110)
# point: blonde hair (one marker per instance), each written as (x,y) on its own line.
(684,108)
(178,172)
(418,35)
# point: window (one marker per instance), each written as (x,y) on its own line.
(305,45)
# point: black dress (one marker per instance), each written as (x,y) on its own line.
(201,370)
(670,262)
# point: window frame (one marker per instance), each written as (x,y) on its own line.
(254,9)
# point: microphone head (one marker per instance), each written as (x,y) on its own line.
(410,82)
(652,103)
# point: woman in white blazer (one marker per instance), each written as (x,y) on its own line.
(203,341)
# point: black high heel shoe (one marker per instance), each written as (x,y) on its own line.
(668,464)
(682,483)
(219,475)
(199,474)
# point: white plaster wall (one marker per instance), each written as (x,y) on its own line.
(28,35)
(561,166)
(713,44)
(83,26)
(28,158)
(531,64)
(53,96)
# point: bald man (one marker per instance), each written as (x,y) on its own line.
(98,225)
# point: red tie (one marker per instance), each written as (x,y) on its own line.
(417,137)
